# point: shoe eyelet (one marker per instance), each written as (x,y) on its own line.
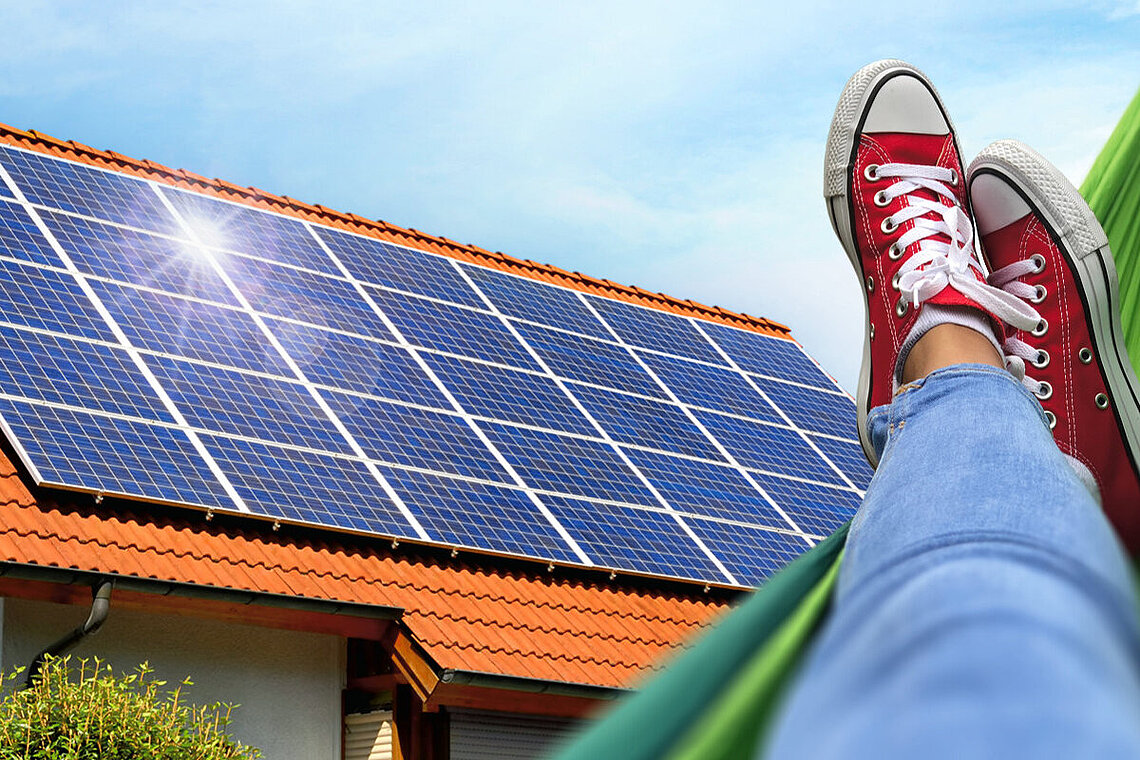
(1039,296)
(1041,328)
(1041,360)
(1101,401)
(895,280)
(1044,390)
(901,308)
(888,226)
(872,332)
(870,285)
(953,178)
(895,252)
(871,172)
(1051,418)
(881,199)
(1084,355)
(1038,263)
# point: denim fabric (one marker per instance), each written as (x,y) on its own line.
(984,607)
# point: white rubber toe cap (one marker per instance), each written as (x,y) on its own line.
(905,104)
(995,203)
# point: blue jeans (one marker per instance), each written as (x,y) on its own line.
(984,606)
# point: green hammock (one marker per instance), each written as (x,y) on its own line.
(714,701)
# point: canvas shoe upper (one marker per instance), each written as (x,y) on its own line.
(896,196)
(1045,246)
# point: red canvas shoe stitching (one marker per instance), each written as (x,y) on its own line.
(880,153)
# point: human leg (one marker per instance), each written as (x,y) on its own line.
(984,607)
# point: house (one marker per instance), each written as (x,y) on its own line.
(442,529)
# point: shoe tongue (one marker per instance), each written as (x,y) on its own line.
(1003,246)
(905,148)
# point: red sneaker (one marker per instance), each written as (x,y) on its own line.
(1046,247)
(895,192)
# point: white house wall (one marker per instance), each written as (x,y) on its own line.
(288,684)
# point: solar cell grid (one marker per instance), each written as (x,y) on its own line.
(710,387)
(815,508)
(228,401)
(137,258)
(478,515)
(449,328)
(574,466)
(649,328)
(645,422)
(416,437)
(704,488)
(643,540)
(769,356)
(305,296)
(20,238)
(538,302)
(76,373)
(576,357)
(508,394)
(110,455)
(767,447)
(751,553)
(848,456)
(810,409)
(242,229)
(191,329)
(374,261)
(48,300)
(84,190)
(307,487)
(437,464)
(352,363)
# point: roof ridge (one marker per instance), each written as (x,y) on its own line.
(39,142)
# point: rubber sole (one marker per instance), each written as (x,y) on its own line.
(1084,244)
(839,163)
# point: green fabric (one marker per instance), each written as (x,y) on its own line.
(734,726)
(743,657)
(1112,190)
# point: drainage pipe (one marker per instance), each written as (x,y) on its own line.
(100,606)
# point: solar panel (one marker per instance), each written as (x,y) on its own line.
(163,345)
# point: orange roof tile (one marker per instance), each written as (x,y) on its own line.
(382,230)
(466,617)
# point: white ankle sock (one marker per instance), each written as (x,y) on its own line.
(933,314)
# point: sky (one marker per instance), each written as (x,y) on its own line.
(673,146)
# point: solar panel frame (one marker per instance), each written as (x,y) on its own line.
(524,339)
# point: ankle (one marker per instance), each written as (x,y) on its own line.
(945,345)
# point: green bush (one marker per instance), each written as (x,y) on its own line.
(80,710)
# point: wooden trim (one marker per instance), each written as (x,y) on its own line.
(413,662)
(509,700)
(306,621)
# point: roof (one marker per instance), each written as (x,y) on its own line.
(466,614)
(381,230)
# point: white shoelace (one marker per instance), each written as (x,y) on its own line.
(936,262)
(1018,353)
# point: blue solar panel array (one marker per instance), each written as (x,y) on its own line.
(167,346)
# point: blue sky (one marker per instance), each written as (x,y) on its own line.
(675,146)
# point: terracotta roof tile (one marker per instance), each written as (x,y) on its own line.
(467,617)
